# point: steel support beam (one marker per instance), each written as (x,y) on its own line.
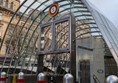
(73,47)
(40,64)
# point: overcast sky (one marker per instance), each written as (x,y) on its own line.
(108,8)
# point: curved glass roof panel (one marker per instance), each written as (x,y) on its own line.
(22,38)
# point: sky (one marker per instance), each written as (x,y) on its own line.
(109,8)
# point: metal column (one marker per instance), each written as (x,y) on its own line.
(73,47)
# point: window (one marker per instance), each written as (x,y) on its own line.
(0,16)
(6,4)
(1,2)
(0,32)
(11,6)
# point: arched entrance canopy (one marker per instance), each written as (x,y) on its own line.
(21,37)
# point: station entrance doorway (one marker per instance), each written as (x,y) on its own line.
(57,48)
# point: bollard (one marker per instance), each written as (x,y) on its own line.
(41,78)
(112,79)
(14,78)
(68,78)
(51,79)
(20,78)
(3,77)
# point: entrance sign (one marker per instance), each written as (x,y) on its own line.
(53,10)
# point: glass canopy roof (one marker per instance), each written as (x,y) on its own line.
(22,37)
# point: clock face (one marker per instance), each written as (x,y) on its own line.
(53,10)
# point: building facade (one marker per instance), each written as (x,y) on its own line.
(7,9)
